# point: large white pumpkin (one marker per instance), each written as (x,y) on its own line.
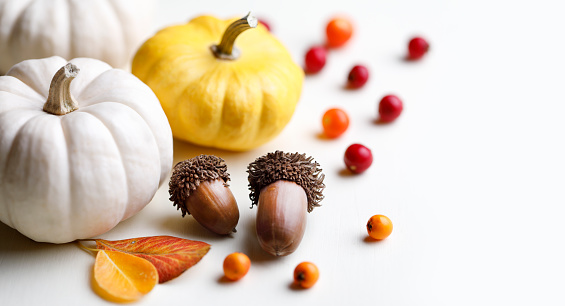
(109,30)
(77,175)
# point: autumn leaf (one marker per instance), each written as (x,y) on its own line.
(170,255)
(121,277)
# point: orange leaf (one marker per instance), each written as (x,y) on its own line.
(121,277)
(170,255)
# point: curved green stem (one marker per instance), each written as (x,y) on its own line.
(226,49)
(60,101)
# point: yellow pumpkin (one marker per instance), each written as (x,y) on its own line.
(215,95)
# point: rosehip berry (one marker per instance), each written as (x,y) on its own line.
(306,274)
(265,24)
(358,76)
(358,158)
(338,32)
(417,47)
(390,108)
(315,59)
(335,122)
(379,227)
(236,266)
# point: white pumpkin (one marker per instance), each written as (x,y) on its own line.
(79,173)
(109,30)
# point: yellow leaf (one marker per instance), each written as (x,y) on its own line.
(121,277)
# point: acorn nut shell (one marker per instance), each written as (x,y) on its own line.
(213,205)
(281,217)
(199,187)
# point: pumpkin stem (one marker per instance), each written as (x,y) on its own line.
(60,100)
(225,50)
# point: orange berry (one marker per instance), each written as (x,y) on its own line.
(379,227)
(306,274)
(335,122)
(236,265)
(338,32)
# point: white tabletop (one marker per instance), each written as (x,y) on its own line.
(471,174)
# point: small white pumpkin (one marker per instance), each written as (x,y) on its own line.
(108,30)
(65,174)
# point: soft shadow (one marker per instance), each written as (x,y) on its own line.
(189,227)
(344,172)
(295,287)
(379,121)
(311,74)
(346,87)
(406,59)
(14,242)
(224,280)
(184,150)
(323,136)
(253,248)
(370,240)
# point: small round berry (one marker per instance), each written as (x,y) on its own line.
(358,158)
(357,77)
(338,32)
(315,59)
(335,122)
(265,24)
(236,266)
(390,108)
(306,274)
(417,48)
(379,227)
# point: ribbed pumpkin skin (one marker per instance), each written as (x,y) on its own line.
(78,175)
(228,104)
(108,30)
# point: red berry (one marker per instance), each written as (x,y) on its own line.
(358,158)
(315,59)
(390,108)
(265,24)
(417,47)
(358,76)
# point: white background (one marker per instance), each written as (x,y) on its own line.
(471,174)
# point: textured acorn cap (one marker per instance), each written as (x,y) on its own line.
(293,167)
(188,174)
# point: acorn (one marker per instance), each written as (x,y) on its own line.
(284,186)
(199,187)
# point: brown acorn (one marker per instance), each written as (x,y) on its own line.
(199,187)
(284,186)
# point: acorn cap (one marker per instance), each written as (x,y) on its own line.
(293,167)
(188,174)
